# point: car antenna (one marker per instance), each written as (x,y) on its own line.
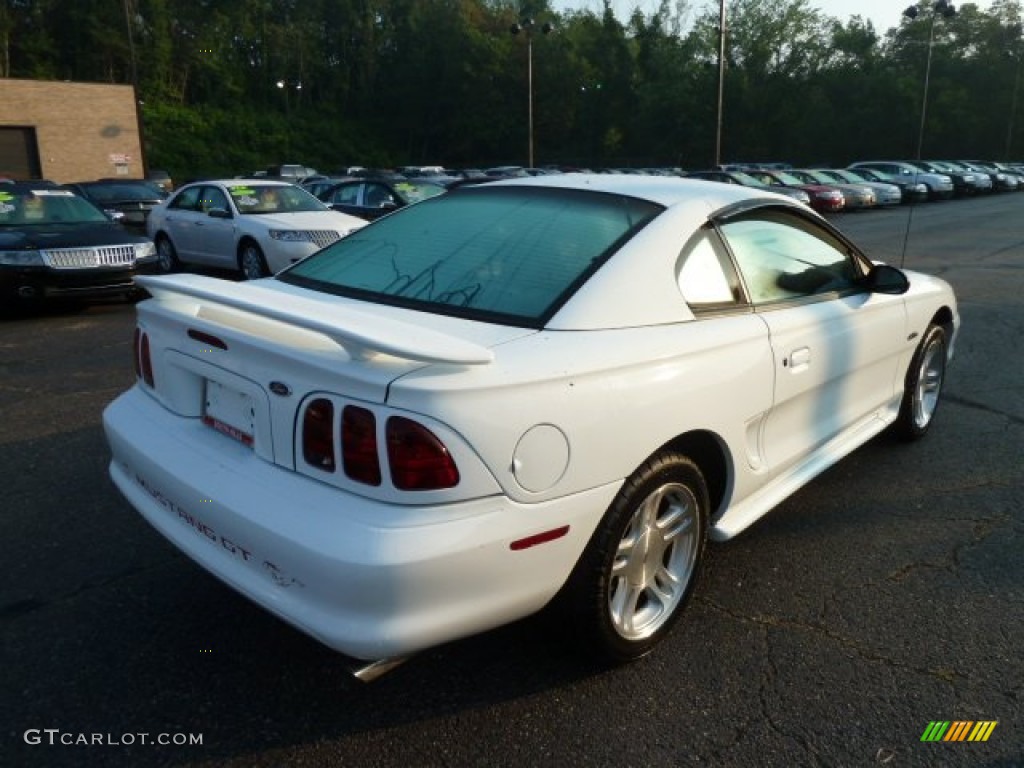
(906,232)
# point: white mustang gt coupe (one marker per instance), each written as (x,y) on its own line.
(554,386)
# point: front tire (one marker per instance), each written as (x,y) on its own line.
(251,262)
(925,378)
(166,255)
(640,567)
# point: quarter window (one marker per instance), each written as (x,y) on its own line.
(706,277)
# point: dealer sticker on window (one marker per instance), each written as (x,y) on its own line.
(230,412)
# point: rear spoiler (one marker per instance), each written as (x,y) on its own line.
(360,334)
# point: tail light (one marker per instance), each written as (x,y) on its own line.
(419,461)
(359,445)
(318,434)
(143,363)
(135,353)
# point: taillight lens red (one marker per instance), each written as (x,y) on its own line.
(359,445)
(419,461)
(135,353)
(318,434)
(143,361)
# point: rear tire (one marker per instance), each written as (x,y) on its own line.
(925,378)
(642,563)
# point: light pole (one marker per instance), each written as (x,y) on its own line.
(527,25)
(1013,99)
(721,82)
(939,8)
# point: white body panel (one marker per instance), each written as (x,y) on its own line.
(544,425)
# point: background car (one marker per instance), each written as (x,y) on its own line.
(741,177)
(979,182)
(372,198)
(255,227)
(1000,180)
(128,201)
(857,196)
(886,193)
(825,198)
(162,179)
(317,185)
(292,172)
(912,191)
(545,389)
(940,185)
(57,245)
(964,182)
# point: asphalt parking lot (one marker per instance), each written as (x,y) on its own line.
(886,595)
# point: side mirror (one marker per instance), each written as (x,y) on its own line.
(219,213)
(885,279)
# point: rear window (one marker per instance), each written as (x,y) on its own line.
(511,255)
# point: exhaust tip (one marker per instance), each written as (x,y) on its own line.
(368,671)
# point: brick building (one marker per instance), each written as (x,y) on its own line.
(68,131)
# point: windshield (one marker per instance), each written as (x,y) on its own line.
(747,180)
(880,175)
(841,175)
(816,177)
(788,178)
(511,255)
(20,207)
(273,198)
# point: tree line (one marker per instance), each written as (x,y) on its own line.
(228,86)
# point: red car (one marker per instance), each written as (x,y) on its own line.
(824,198)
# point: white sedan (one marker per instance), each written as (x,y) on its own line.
(255,227)
(553,386)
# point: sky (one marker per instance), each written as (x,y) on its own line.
(884,14)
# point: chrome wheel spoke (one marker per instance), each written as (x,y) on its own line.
(653,562)
(624,601)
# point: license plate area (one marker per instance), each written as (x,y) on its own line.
(230,412)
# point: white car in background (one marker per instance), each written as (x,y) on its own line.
(257,227)
(540,387)
(939,185)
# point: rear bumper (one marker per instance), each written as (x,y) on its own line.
(368,579)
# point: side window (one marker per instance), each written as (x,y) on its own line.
(706,277)
(214,198)
(346,195)
(377,195)
(188,200)
(781,257)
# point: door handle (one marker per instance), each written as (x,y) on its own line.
(798,359)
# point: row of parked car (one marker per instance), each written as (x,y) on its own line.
(915,181)
(90,238)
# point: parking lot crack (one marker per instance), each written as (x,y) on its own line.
(1012,418)
(866,654)
(766,696)
(28,605)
